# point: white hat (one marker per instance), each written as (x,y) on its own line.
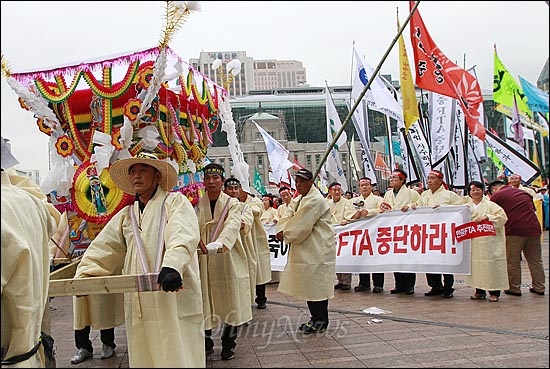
(119,171)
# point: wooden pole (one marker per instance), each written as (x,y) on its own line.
(367,86)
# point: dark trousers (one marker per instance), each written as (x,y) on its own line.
(260,294)
(82,338)
(377,279)
(229,336)
(319,312)
(404,281)
(434,281)
(496,293)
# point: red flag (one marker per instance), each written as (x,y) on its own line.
(435,72)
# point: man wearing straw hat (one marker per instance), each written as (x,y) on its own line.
(158,234)
(225,279)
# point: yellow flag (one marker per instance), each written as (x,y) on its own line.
(505,87)
(410,105)
(538,181)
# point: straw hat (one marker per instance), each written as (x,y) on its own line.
(119,171)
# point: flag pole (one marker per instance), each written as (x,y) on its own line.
(365,89)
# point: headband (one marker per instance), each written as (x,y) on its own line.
(214,170)
(436,173)
(365,180)
(399,174)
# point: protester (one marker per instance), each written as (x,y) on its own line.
(286,197)
(523,233)
(269,214)
(348,195)
(398,196)
(342,212)
(225,280)
(488,253)
(262,274)
(27,225)
(157,234)
(309,272)
(437,195)
(368,205)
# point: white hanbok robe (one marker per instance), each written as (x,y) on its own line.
(27,225)
(263,271)
(225,280)
(489,268)
(164,329)
(311,265)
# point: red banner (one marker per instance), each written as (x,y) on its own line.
(472,230)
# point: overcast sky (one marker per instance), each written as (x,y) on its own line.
(40,35)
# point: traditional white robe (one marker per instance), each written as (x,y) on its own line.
(164,329)
(341,210)
(404,197)
(27,225)
(489,267)
(269,215)
(310,268)
(247,222)
(370,203)
(441,196)
(263,271)
(225,280)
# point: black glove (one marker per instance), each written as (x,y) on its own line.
(170,279)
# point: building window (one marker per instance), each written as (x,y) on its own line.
(308,161)
(317,159)
(344,159)
(260,161)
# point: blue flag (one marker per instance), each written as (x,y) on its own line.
(537,99)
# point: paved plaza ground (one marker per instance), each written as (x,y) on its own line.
(415,332)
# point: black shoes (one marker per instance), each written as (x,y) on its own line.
(448,295)
(361,288)
(377,289)
(312,327)
(346,287)
(434,292)
(510,292)
(408,291)
(532,290)
(261,302)
(227,355)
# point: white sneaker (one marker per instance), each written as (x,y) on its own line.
(81,355)
(107,352)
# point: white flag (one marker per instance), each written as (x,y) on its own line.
(442,111)
(334,164)
(277,155)
(512,159)
(353,160)
(378,96)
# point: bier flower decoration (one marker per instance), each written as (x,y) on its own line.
(176,14)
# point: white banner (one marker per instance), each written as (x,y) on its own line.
(418,241)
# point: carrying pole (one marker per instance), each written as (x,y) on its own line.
(367,86)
